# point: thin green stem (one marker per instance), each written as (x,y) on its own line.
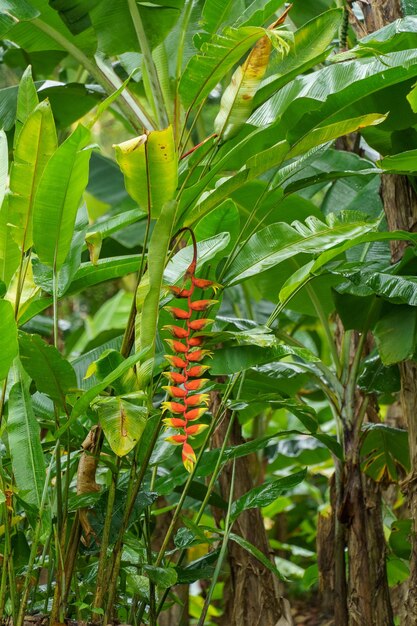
(130,501)
(104,76)
(35,542)
(149,63)
(228,524)
(178,67)
(326,327)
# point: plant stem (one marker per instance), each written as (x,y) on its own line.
(149,64)
(35,542)
(130,501)
(106,77)
(101,573)
(228,524)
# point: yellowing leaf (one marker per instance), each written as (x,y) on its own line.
(237,100)
(149,166)
(122,422)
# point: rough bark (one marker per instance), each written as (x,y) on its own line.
(251,596)
(400,205)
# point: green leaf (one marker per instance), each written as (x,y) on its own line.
(215,13)
(147,320)
(58,198)
(311,44)
(146,161)
(25,445)
(403,163)
(163,577)
(27,100)
(105,269)
(273,244)
(374,377)
(396,334)
(52,373)
(75,14)
(323,134)
(85,400)
(207,249)
(21,9)
(216,58)
(236,359)
(36,144)
(385,452)
(123,423)
(266,493)
(115,31)
(4,165)
(260,556)
(397,289)
(8,338)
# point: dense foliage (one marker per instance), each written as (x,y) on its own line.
(170,175)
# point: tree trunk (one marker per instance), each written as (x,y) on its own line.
(400,205)
(250,595)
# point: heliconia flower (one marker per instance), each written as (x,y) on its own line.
(202,283)
(197,370)
(195,429)
(188,457)
(198,355)
(188,401)
(177,331)
(198,398)
(175,361)
(179,314)
(195,414)
(173,407)
(195,385)
(195,341)
(174,422)
(176,392)
(202,305)
(175,377)
(177,439)
(181,293)
(199,324)
(176,346)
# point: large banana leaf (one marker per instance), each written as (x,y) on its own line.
(8,338)
(123,423)
(115,31)
(37,25)
(147,318)
(75,14)
(311,45)
(52,373)
(25,446)
(217,12)
(58,198)
(331,90)
(36,144)
(324,134)
(9,250)
(4,165)
(278,242)
(216,58)
(149,165)
(27,100)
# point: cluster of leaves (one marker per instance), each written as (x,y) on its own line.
(291,229)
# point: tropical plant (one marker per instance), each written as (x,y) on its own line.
(224,177)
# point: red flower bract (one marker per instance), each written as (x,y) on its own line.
(185,352)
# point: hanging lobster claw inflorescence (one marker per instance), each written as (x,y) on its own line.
(188,400)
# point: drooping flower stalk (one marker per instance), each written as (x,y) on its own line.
(188,401)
